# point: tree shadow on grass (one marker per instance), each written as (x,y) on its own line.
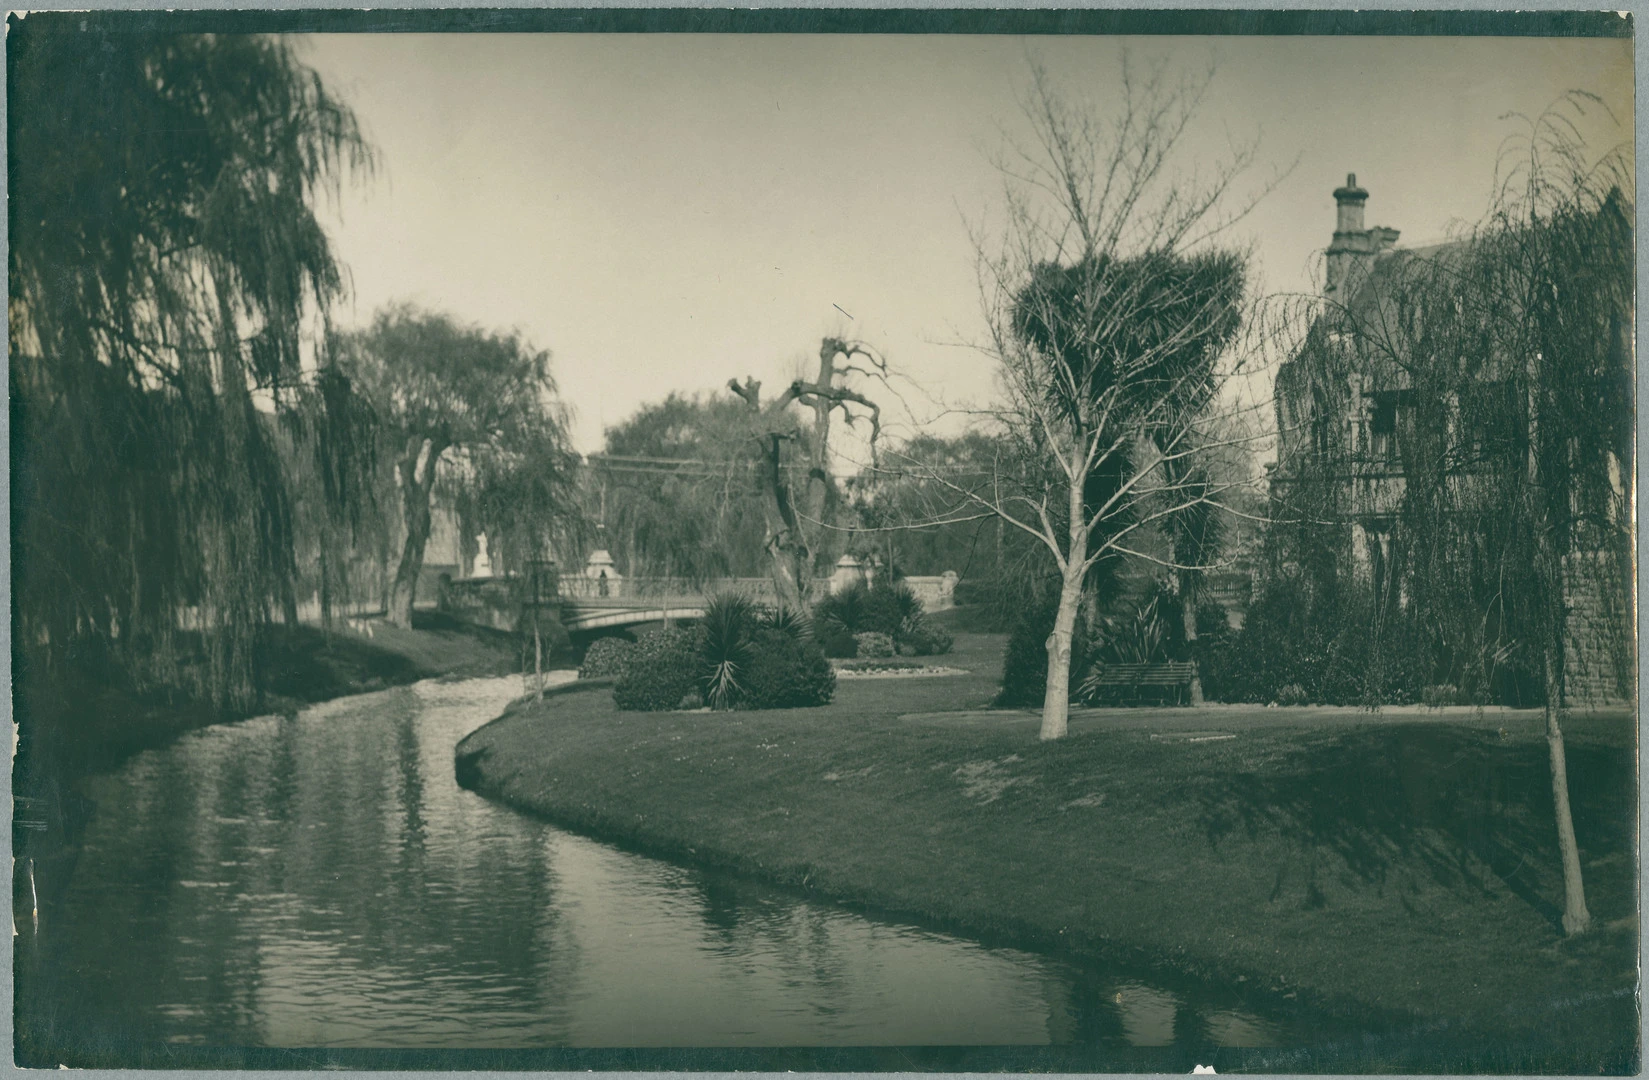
(1463,807)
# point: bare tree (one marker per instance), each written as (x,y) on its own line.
(1113,317)
(803,537)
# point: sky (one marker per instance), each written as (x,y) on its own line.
(665,212)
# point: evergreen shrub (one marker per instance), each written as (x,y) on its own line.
(663,669)
(873,644)
(730,623)
(884,608)
(605,656)
(838,644)
(1332,648)
(1025,667)
(928,640)
(785,672)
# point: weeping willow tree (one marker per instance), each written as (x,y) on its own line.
(343,526)
(1499,396)
(473,410)
(676,492)
(165,261)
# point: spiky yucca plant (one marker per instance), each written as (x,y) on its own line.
(791,623)
(730,624)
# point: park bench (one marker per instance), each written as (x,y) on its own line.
(1130,679)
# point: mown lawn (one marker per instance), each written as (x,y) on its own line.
(1399,869)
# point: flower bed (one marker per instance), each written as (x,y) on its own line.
(893,669)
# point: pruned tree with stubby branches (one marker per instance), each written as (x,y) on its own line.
(804,520)
(1117,322)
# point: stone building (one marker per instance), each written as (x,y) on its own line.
(1356,399)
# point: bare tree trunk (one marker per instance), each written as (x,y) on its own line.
(538,655)
(1185,582)
(1188,613)
(1576,919)
(1056,700)
(823,499)
(383,569)
(289,603)
(326,586)
(416,475)
(792,563)
(1090,607)
(788,566)
(792,543)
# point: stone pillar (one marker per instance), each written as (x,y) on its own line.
(599,568)
(848,570)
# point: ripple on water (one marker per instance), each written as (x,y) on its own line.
(322,881)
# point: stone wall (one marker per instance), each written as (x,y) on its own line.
(937,593)
(486,602)
(1600,654)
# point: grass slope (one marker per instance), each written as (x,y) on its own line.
(89,721)
(1398,867)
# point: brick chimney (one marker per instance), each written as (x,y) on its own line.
(1354,247)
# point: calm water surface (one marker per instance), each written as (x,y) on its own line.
(322,881)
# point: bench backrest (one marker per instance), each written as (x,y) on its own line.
(1171,672)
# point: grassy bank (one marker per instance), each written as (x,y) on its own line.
(1398,868)
(87,721)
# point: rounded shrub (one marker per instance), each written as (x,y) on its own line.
(662,670)
(841,612)
(838,644)
(784,672)
(893,610)
(790,622)
(929,640)
(605,656)
(873,644)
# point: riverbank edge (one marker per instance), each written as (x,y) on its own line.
(1400,1029)
(121,725)
(497,760)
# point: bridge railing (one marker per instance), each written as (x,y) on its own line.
(627,591)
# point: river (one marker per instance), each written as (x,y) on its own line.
(320,880)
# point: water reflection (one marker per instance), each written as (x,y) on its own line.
(322,881)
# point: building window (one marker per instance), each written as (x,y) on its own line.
(1321,439)
(1383,420)
(1384,410)
(1492,422)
